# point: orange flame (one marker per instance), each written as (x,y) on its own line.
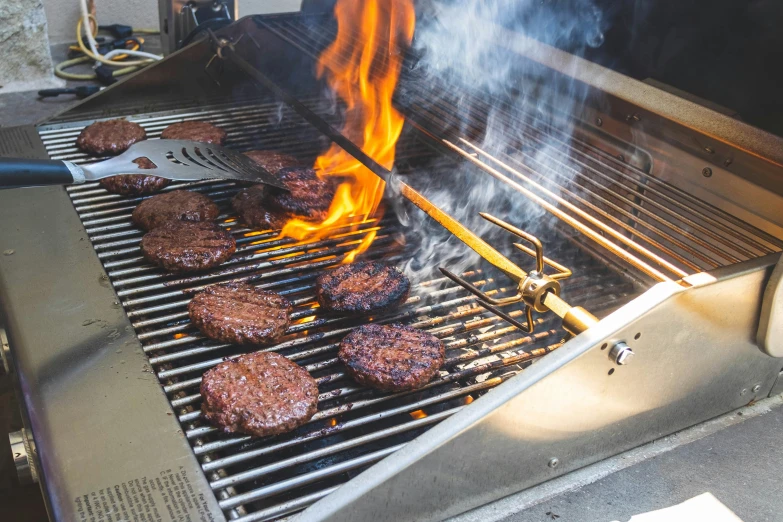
(362,66)
(418,414)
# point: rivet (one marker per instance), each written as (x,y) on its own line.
(553,462)
(744,391)
(599,121)
(728,162)
(757,388)
(709,150)
(706,172)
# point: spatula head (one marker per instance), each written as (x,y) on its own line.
(184,160)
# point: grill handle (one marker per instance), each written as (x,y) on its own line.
(16,173)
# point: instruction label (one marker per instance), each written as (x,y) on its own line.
(167,497)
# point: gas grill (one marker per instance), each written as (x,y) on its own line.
(672,243)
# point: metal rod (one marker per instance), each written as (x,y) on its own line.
(638,263)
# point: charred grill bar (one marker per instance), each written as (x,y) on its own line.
(620,228)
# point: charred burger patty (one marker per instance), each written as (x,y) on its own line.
(362,288)
(260,393)
(195,131)
(177,205)
(180,246)
(135,184)
(110,137)
(391,357)
(240,313)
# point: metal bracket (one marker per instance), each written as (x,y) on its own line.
(219,44)
(533,289)
(770,333)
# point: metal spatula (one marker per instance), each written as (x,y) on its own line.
(175,159)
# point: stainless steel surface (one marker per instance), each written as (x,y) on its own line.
(770,331)
(22,451)
(181,160)
(692,360)
(80,370)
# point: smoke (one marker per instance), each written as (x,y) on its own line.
(486,91)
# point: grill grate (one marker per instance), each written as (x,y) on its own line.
(654,226)
(268,478)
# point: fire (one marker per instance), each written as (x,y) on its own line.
(362,66)
(418,414)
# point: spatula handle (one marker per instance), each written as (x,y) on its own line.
(34,173)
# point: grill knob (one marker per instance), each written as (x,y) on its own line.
(22,449)
(621,353)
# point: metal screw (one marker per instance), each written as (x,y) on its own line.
(744,391)
(709,150)
(757,388)
(621,353)
(553,462)
(706,172)
(599,121)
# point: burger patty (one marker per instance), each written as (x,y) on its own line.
(391,357)
(195,131)
(260,394)
(253,210)
(240,313)
(177,205)
(272,161)
(135,184)
(362,288)
(308,195)
(109,137)
(179,246)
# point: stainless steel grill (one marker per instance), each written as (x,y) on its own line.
(261,479)
(621,222)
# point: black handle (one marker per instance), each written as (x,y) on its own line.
(81,91)
(32,173)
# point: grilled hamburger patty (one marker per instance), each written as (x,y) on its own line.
(260,393)
(196,131)
(240,313)
(135,184)
(250,204)
(177,205)
(109,137)
(391,357)
(309,196)
(362,288)
(179,246)
(272,161)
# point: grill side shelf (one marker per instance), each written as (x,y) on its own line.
(106,436)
